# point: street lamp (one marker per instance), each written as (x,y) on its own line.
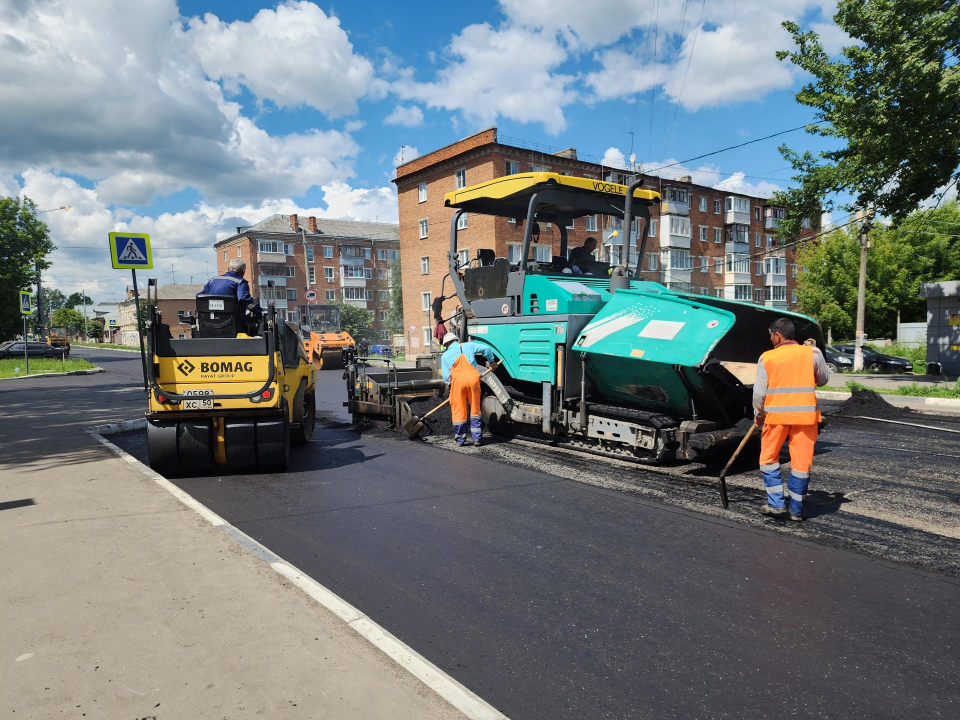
(39,288)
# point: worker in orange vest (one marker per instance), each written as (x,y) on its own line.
(785,407)
(459,369)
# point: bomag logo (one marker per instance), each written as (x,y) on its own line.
(226,366)
(186,367)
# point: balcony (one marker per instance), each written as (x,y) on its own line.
(357,303)
(737,248)
(771,223)
(674,207)
(778,304)
(276,258)
(357,282)
(278,281)
(355,261)
(770,279)
(737,270)
(670,275)
(737,211)
(674,232)
(276,302)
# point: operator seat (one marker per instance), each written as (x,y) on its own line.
(222,316)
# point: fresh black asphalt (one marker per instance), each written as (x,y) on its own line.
(552,598)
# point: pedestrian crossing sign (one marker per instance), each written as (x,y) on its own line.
(130,251)
(26,308)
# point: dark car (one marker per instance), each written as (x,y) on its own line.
(14,349)
(878,362)
(837,361)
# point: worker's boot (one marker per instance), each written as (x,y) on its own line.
(770,511)
(797,518)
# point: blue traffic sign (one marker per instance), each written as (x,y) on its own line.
(130,251)
(26,306)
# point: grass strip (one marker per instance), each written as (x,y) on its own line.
(14,367)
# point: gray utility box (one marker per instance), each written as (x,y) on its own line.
(943,325)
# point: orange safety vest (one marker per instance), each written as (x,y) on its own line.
(791,386)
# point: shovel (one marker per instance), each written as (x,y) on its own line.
(723,473)
(414,425)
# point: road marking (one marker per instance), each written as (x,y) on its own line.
(462,698)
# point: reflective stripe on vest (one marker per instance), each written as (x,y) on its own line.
(235,281)
(791,388)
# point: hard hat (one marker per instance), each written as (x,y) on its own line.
(449,338)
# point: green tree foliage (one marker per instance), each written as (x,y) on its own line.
(68,318)
(95,329)
(24,242)
(892,101)
(76,300)
(355,320)
(53,300)
(395,315)
(922,248)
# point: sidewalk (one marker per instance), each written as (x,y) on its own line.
(121,602)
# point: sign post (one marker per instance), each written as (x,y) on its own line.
(26,309)
(130,251)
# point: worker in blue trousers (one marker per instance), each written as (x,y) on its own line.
(460,371)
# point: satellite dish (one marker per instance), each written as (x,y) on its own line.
(633,157)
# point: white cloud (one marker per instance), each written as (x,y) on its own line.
(614,157)
(294,55)
(346,203)
(405,154)
(509,72)
(584,24)
(406,116)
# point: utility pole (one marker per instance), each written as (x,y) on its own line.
(39,302)
(83,295)
(864,216)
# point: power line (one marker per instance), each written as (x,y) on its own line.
(676,62)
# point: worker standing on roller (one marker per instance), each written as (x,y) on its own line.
(458,366)
(785,407)
(232,283)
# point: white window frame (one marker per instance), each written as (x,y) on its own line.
(224,255)
(703,203)
(422,192)
(704,264)
(462,221)
(460,178)
(424,225)
(288,249)
(680,225)
(463,257)
(716,207)
(310,254)
(793,270)
(425,265)
(330,295)
(328,273)
(703,233)
(239,251)
(291,271)
(717,236)
(328,251)
(426,301)
(512,167)
(653,230)
(758,295)
(718,265)
(382,255)
(292,294)
(591,222)
(652,261)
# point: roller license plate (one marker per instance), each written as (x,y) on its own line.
(202,400)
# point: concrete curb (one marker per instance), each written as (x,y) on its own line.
(900,400)
(459,696)
(94,371)
(94,347)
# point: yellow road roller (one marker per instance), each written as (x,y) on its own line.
(234,396)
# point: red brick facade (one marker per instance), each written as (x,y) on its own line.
(482,158)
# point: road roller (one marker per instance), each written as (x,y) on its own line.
(324,341)
(234,396)
(596,358)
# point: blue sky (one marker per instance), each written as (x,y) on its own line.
(185,119)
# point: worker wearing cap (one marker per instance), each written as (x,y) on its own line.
(785,406)
(460,371)
(232,283)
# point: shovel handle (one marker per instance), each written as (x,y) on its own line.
(723,473)
(490,369)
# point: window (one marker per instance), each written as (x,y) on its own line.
(513,167)
(777,213)
(738,204)
(718,292)
(354,293)
(288,249)
(738,263)
(462,222)
(703,233)
(368,295)
(543,253)
(382,255)
(460,176)
(591,223)
(679,226)
(427,338)
(756,240)
(313,276)
(758,295)
(756,212)
(793,270)
(368,273)
(239,252)
(704,264)
(513,253)
(717,235)
(703,204)
(266,246)
(384,296)
(806,223)
(793,296)
(353,271)
(759,269)
(309,253)
(742,292)
(394,254)
(718,264)
(328,251)
(423,229)
(367,253)
(676,260)
(328,274)
(425,266)
(422,193)
(291,294)
(331,294)
(425,300)
(677,195)
(651,261)
(383,313)
(381,274)
(775,266)
(777,293)
(539,168)
(463,257)
(512,221)
(653,230)
(291,271)
(716,207)
(224,255)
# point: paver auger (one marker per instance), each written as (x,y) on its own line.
(605,361)
(234,396)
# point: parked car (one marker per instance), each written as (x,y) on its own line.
(878,362)
(837,361)
(14,349)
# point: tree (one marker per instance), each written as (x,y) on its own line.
(892,101)
(95,329)
(76,299)
(24,245)
(354,320)
(395,314)
(68,318)
(53,300)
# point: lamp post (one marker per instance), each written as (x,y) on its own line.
(37,266)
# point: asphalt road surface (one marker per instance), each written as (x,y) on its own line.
(561,587)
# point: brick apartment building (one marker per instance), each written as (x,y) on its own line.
(339,259)
(700,239)
(170,300)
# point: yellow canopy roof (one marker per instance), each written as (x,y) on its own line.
(509,196)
